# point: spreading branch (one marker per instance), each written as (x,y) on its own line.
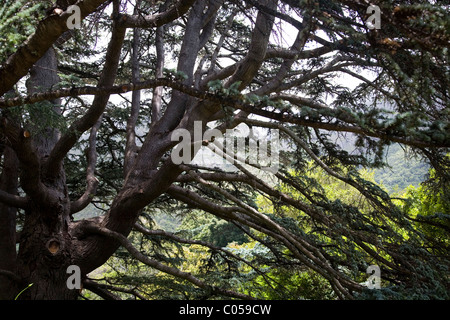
(229,101)
(46,34)
(91,228)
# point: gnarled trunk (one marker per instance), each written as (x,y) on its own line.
(45,247)
(44,255)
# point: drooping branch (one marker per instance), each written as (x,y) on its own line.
(195,200)
(259,184)
(382,201)
(316,159)
(216,176)
(104,290)
(302,248)
(306,252)
(169,235)
(91,228)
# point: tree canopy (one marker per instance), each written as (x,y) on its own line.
(89,116)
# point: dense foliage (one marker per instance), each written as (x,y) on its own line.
(350,104)
(261,275)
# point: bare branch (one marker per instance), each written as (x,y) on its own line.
(130,141)
(13,200)
(92,181)
(216,176)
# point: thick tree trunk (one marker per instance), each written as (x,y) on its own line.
(8,183)
(44,255)
(45,248)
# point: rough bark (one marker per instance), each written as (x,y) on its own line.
(45,245)
(8,183)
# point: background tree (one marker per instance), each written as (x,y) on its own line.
(67,142)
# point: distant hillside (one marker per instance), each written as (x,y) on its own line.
(403,170)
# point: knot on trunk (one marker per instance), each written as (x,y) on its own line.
(53,245)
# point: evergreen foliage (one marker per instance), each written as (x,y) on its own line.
(363,176)
(17,21)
